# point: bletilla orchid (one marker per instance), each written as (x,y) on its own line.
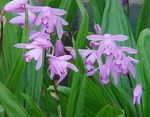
(58,66)
(36,50)
(90,57)
(98,29)
(49,18)
(137,94)
(106,43)
(114,60)
(122,63)
(17,6)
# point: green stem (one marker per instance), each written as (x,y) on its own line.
(57,98)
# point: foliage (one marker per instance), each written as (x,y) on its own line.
(26,92)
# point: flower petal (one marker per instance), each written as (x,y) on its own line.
(95,37)
(119,37)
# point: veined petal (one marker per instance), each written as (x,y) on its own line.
(71,66)
(27,46)
(59,29)
(63,21)
(34,8)
(65,57)
(119,37)
(18,20)
(39,63)
(129,50)
(132,69)
(58,11)
(96,37)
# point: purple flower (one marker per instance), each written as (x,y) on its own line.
(97,28)
(16,6)
(89,57)
(49,18)
(59,65)
(21,19)
(106,43)
(124,2)
(36,50)
(59,48)
(137,93)
(122,63)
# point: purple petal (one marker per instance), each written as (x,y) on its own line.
(97,28)
(129,50)
(95,37)
(34,8)
(39,63)
(132,69)
(27,46)
(59,48)
(65,57)
(59,29)
(58,11)
(73,67)
(119,37)
(18,20)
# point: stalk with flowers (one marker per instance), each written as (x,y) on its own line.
(102,74)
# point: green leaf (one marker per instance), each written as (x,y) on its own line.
(143,18)
(34,110)
(98,9)
(14,80)
(80,102)
(83,30)
(10,103)
(111,111)
(144,69)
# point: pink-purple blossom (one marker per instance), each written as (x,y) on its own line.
(59,66)
(36,50)
(98,29)
(137,94)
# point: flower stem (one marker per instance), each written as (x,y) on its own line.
(57,98)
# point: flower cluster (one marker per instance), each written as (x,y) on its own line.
(48,19)
(111,59)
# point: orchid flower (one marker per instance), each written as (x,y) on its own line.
(122,63)
(89,56)
(137,94)
(49,18)
(17,6)
(59,65)
(106,43)
(97,28)
(36,50)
